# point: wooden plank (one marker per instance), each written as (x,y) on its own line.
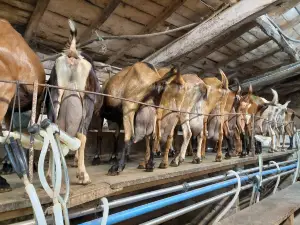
(37,14)
(251,62)
(285,6)
(290,220)
(148,29)
(270,211)
(238,54)
(273,33)
(108,10)
(209,48)
(240,13)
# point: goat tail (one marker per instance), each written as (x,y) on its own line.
(275,97)
(224,79)
(71,46)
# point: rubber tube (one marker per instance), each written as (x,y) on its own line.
(237,192)
(58,214)
(35,202)
(278,176)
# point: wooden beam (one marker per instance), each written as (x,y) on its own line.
(37,14)
(242,52)
(238,14)
(107,11)
(269,29)
(167,12)
(282,73)
(253,61)
(285,6)
(221,41)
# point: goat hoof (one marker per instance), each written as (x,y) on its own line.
(173,163)
(197,160)
(163,165)
(243,155)
(289,148)
(83,178)
(227,156)
(96,160)
(270,151)
(142,166)
(4,186)
(150,167)
(218,158)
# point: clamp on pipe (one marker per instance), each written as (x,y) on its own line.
(255,189)
(260,165)
(278,176)
(238,189)
(105,208)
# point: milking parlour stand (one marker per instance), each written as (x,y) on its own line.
(48,135)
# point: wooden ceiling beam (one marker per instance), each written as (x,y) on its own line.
(285,6)
(167,12)
(107,11)
(269,29)
(38,12)
(238,14)
(220,42)
(242,52)
(250,63)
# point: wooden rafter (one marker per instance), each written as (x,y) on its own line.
(167,12)
(285,6)
(252,62)
(269,29)
(243,51)
(221,41)
(37,14)
(107,11)
(230,19)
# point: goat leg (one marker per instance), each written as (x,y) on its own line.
(244,143)
(150,163)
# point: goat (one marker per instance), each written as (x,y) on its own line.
(18,62)
(73,110)
(136,83)
(215,104)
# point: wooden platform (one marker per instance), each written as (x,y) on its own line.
(271,211)
(129,180)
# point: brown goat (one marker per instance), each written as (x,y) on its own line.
(136,83)
(215,104)
(18,62)
(181,93)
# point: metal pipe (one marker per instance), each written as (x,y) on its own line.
(146,208)
(188,209)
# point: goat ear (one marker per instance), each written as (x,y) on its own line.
(238,92)
(224,79)
(178,78)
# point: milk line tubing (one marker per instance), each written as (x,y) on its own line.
(130,100)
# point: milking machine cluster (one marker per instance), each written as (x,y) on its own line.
(59,143)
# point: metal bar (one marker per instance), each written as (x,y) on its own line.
(157,193)
(188,209)
(146,208)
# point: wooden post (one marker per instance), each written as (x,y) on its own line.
(32,121)
(290,220)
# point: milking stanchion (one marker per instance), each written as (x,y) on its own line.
(53,137)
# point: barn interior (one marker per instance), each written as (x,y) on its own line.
(255,41)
